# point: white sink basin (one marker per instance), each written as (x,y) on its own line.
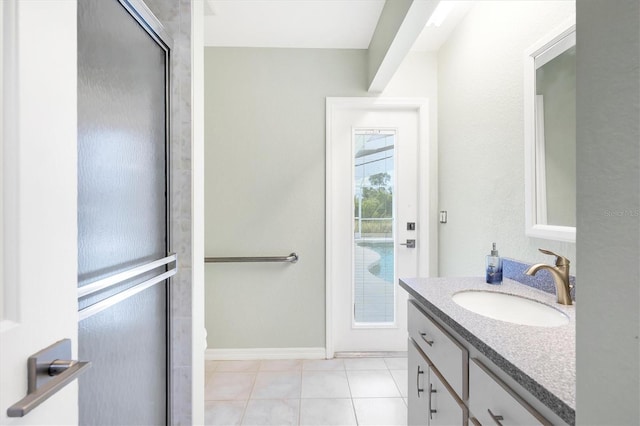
(510,308)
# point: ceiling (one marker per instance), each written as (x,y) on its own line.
(330,24)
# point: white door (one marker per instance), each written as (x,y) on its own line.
(375,151)
(39,234)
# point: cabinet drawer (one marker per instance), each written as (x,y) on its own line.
(492,401)
(448,356)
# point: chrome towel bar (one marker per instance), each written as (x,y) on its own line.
(105,283)
(121,277)
(292,258)
(123,295)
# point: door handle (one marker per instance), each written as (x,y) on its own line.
(496,418)
(409,244)
(431,410)
(418,388)
(48,371)
(427,341)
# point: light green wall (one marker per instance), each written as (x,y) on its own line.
(264,189)
(265,162)
(480,136)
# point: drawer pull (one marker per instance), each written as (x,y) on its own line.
(428,342)
(495,418)
(431,411)
(475,421)
(418,381)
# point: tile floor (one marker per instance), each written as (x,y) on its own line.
(341,391)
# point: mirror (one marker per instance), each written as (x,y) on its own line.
(550,136)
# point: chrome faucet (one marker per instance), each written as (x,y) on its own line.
(560,274)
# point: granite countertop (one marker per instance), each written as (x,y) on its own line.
(541,359)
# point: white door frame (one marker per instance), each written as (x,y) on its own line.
(198,337)
(427,187)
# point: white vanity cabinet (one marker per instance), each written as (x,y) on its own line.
(492,402)
(437,373)
(451,384)
(431,402)
(497,372)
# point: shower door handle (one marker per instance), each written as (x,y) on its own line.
(409,244)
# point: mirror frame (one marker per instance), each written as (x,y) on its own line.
(534,162)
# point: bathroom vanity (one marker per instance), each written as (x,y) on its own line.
(467,368)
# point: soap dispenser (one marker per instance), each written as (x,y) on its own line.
(494,267)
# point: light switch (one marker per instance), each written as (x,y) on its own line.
(443,216)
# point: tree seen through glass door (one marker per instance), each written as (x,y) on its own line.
(374,294)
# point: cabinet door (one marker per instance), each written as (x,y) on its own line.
(431,402)
(443,409)
(418,371)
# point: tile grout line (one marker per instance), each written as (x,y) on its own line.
(353,405)
(246,403)
(300,370)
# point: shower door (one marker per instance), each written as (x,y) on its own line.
(123,260)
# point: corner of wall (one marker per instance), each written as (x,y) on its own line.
(608,240)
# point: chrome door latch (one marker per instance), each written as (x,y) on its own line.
(409,244)
(48,371)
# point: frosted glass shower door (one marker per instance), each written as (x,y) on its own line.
(122,214)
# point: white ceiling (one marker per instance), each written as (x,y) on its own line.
(340,24)
(337,24)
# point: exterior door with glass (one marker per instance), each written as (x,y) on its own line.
(373,218)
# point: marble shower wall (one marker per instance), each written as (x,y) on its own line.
(175,15)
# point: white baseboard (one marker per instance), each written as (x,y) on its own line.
(264,353)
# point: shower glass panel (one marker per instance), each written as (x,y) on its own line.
(373,225)
(122,213)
